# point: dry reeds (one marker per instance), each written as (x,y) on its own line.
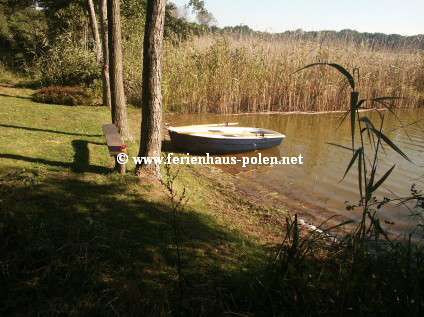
(225,74)
(222,74)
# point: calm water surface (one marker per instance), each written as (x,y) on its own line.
(317,180)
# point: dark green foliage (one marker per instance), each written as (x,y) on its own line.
(176,29)
(64,95)
(54,44)
(245,29)
(55,5)
(67,63)
(26,32)
(22,36)
(13,5)
(376,41)
(313,276)
(133,8)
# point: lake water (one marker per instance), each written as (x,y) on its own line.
(316,182)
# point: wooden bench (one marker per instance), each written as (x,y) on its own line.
(115,144)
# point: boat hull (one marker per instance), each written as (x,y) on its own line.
(203,144)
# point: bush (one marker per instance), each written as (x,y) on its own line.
(64,95)
(67,63)
(22,35)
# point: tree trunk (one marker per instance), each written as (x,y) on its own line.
(119,108)
(151,124)
(105,45)
(95,31)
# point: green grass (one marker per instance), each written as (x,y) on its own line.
(83,241)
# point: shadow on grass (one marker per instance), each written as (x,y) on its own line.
(81,163)
(100,247)
(15,96)
(76,247)
(51,131)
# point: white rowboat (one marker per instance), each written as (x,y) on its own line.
(222,139)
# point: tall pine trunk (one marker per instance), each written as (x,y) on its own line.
(95,31)
(105,49)
(119,108)
(151,124)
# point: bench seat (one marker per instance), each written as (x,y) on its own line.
(113,139)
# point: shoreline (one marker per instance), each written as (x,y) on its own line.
(300,112)
(310,215)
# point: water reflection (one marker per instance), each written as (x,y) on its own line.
(317,180)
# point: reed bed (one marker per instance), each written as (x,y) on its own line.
(251,74)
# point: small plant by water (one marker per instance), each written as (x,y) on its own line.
(370,250)
(178,202)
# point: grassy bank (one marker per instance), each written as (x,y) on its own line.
(252,74)
(76,240)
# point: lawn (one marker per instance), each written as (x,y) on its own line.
(78,240)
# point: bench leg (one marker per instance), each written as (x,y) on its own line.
(120,168)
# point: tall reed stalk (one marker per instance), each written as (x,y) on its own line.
(367,272)
(367,143)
